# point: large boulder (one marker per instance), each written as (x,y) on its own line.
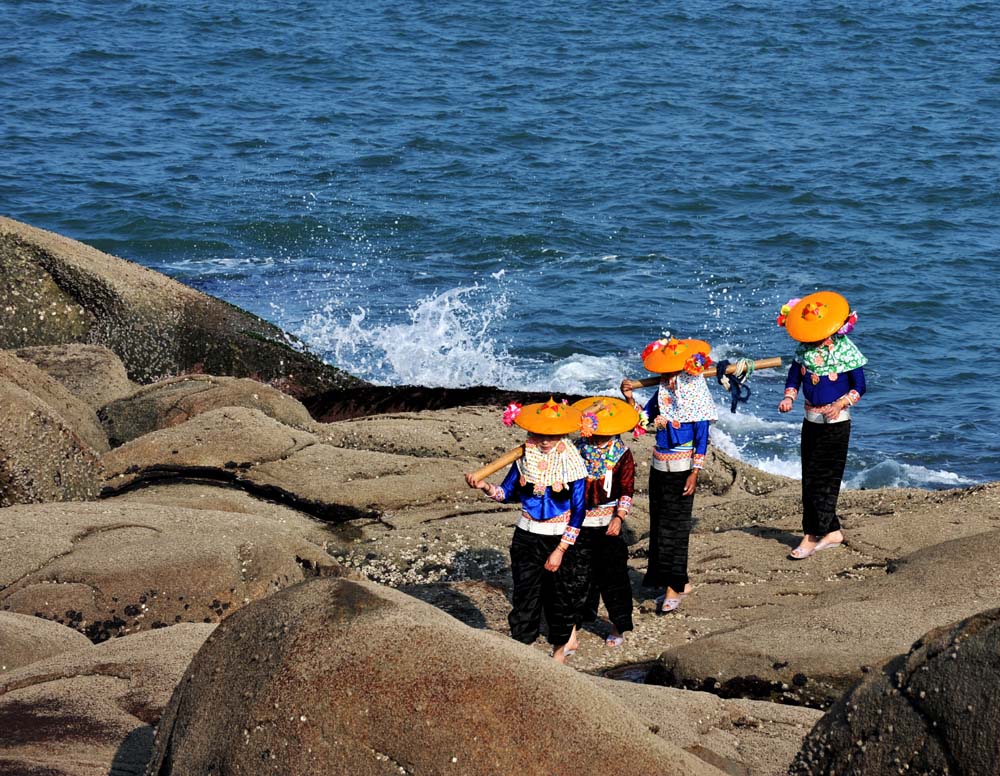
(91,711)
(932,710)
(106,569)
(42,458)
(54,291)
(92,373)
(73,412)
(177,399)
(336,676)
(25,639)
(814,650)
(742,737)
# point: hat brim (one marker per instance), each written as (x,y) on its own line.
(661,362)
(803,324)
(535,419)
(615,417)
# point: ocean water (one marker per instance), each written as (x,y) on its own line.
(524,194)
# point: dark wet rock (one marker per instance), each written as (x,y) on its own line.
(812,651)
(354,402)
(90,711)
(92,373)
(932,710)
(314,680)
(54,291)
(178,399)
(106,569)
(25,639)
(42,458)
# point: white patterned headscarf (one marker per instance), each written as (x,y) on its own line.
(556,468)
(689,401)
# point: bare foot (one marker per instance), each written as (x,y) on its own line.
(574,642)
(834,537)
(559,654)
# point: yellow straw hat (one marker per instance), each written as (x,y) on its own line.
(816,317)
(673,355)
(549,417)
(612,416)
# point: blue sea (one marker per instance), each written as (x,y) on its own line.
(456,193)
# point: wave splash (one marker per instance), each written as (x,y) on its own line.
(448,340)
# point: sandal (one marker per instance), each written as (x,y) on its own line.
(614,641)
(664,604)
(827,546)
(801,553)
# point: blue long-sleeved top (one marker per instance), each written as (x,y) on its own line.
(686,442)
(825,390)
(549,506)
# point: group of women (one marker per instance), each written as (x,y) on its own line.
(568,553)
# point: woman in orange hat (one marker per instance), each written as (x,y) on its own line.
(829,371)
(550,571)
(681,410)
(610,487)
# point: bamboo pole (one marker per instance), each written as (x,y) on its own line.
(507,458)
(764,363)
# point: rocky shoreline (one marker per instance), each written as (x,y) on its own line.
(202,526)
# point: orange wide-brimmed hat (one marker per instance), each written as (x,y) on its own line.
(606,416)
(816,317)
(673,355)
(550,417)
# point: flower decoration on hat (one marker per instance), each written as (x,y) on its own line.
(640,427)
(697,364)
(849,324)
(510,413)
(786,308)
(588,425)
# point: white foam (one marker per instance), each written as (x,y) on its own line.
(892,474)
(737,448)
(446,342)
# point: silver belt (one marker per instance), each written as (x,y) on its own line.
(819,417)
(548,528)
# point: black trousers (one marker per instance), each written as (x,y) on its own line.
(608,579)
(669,530)
(824,456)
(560,595)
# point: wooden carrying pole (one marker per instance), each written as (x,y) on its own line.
(764,363)
(507,458)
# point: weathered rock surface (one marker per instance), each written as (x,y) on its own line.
(92,373)
(106,569)
(933,710)
(54,291)
(73,412)
(314,679)
(42,458)
(175,400)
(812,651)
(738,736)
(91,711)
(25,639)
(248,449)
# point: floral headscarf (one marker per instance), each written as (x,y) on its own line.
(689,401)
(835,355)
